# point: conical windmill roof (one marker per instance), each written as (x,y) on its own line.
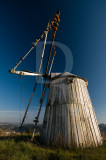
(65,74)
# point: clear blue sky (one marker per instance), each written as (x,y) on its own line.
(82,29)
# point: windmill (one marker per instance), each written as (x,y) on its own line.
(69,118)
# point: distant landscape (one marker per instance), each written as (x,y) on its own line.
(17,146)
(14,127)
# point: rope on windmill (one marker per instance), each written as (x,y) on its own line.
(22,93)
(43,93)
(24,56)
(33,45)
(37,78)
(47,66)
(44,88)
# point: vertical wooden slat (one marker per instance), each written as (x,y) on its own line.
(77,115)
(100,139)
(82,114)
(71,128)
(54,123)
(82,137)
(85,120)
(56,133)
(91,126)
(63,124)
(50,126)
(93,136)
(74,118)
(92,123)
(74,132)
(68,125)
(47,123)
(59,124)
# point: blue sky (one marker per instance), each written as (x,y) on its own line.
(82,29)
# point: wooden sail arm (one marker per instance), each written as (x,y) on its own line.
(29,73)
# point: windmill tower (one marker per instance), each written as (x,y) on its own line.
(69,118)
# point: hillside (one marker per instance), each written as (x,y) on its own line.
(2,132)
(103,129)
(20,148)
(15,127)
(24,149)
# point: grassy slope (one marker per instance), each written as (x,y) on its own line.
(1,132)
(19,148)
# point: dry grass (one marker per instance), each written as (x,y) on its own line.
(20,148)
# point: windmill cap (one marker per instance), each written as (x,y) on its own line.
(65,74)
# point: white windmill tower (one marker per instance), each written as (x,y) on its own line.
(69,118)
